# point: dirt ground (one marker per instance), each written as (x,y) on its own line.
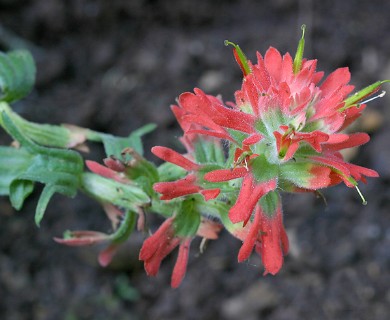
(116,65)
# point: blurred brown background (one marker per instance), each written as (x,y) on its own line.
(115,65)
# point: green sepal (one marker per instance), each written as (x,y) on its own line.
(17,75)
(263,170)
(58,169)
(297,65)
(187,220)
(297,173)
(128,196)
(361,94)
(269,203)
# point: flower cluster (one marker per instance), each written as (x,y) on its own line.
(284,133)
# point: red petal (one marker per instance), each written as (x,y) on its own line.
(83,238)
(271,250)
(321,177)
(337,138)
(283,235)
(287,68)
(332,162)
(247,199)
(251,238)
(105,256)
(261,74)
(353,140)
(273,63)
(175,189)
(210,193)
(250,92)
(174,157)
(152,244)
(291,150)
(225,174)
(152,265)
(358,171)
(334,81)
(252,139)
(180,268)
(104,171)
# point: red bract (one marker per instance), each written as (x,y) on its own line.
(159,245)
(187,185)
(274,241)
(249,195)
(165,240)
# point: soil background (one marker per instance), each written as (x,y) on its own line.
(116,65)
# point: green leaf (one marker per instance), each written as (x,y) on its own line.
(44,134)
(17,75)
(60,170)
(47,192)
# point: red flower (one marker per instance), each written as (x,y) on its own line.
(268,235)
(159,245)
(282,134)
(164,241)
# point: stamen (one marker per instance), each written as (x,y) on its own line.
(364,201)
(381,95)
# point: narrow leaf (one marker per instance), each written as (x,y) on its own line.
(44,199)
(19,190)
